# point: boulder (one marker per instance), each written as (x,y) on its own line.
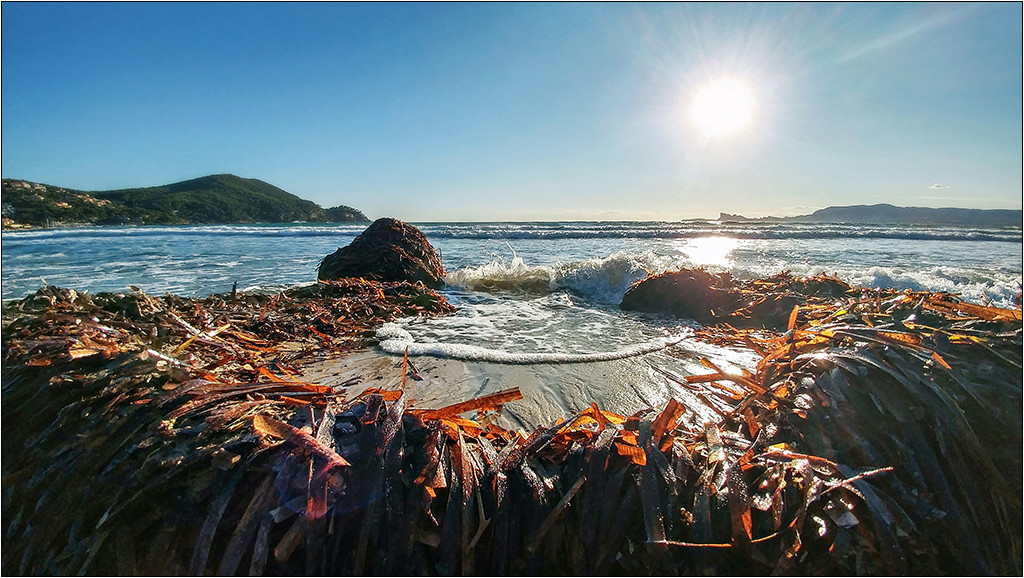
(708,299)
(690,293)
(388,250)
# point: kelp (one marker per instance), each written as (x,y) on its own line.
(879,434)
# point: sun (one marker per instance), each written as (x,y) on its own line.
(722,107)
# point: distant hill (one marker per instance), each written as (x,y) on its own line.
(885,213)
(206,200)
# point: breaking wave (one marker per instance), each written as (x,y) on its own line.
(560,230)
(604,280)
(598,261)
(700,228)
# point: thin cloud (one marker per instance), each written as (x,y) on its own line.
(884,42)
(937,186)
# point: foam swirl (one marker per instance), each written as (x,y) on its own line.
(397,341)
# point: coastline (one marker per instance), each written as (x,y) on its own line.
(595,261)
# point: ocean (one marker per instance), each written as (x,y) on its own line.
(538,302)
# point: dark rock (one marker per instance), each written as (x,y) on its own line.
(388,250)
(690,293)
(710,299)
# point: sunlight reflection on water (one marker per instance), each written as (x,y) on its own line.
(709,251)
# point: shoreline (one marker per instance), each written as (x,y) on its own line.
(550,391)
(246,403)
(594,269)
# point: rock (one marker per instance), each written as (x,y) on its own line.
(709,299)
(388,250)
(690,293)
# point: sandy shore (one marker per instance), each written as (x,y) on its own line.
(550,390)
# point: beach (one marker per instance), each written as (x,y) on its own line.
(518,416)
(535,288)
(439,289)
(285,399)
(550,390)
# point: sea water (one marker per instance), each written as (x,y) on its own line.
(540,296)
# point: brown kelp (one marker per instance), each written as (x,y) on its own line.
(880,434)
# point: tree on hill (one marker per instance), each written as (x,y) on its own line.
(220,199)
(343,214)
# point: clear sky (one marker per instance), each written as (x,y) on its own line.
(496,111)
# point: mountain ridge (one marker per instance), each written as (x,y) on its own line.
(885,213)
(211,199)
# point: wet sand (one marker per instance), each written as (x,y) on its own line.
(550,390)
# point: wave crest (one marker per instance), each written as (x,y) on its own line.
(499,276)
(561,230)
(604,280)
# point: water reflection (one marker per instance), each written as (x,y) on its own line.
(709,251)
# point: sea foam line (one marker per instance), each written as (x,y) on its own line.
(397,341)
(554,231)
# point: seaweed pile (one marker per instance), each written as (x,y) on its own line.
(880,434)
(237,336)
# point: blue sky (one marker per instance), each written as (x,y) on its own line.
(495,111)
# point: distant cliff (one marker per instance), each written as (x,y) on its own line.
(884,213)
(212,199)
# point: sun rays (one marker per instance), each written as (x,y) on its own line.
(722,107)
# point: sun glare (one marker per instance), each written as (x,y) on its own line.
(722,107)
(709,251)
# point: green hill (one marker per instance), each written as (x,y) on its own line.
(206,200)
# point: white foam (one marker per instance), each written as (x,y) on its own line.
(497,275)
(990,287)
(604,280)
(607,280)
(393,332)
(396,341)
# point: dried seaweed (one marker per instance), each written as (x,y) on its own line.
(879,434)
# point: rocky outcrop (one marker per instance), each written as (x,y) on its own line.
(690,293)
(388,250)
(709,299)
